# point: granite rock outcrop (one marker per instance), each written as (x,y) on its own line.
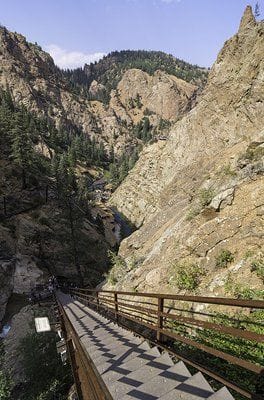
(201,191)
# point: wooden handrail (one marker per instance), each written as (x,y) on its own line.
(156,319)
(89,384)
(225,301)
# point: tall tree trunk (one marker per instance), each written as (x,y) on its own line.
(75,252)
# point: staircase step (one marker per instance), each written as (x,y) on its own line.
(139,396)
(222,394)
(164,382)
(110,346)
(194,388)
(118,351)
(142,373)
(152,368)
(129,362)
(130,368)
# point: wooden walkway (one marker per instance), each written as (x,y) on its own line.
(129,367)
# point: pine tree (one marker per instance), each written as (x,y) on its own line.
(113,172)
(112,154)
(22,149)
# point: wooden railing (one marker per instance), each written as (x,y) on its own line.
(177,323)
(82,366)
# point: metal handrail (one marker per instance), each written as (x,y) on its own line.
(88,382)
(116,303)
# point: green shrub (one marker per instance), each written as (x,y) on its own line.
(257,266)
(227,170)
(5,386)
(238,347)
(47,378)
(118,268)
(206,196)
(134,262)
(224,258)
(241,291)
(248,254)
(5,381)
(253,154)
(244,292)
(187,275)
(192,213)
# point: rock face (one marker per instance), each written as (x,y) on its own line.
(206,159)
(34,81)
(21,326)
(163,95)
(7,268)
(37,242)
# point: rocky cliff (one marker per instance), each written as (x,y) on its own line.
(34,81)
(161,95)
(36,243)
(199,196)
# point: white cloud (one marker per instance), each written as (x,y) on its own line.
(71,59)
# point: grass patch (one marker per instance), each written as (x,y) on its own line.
(257,266)
(192,213)
(224,258)
(227,170)
(253,154)
(206,196)
(241,291)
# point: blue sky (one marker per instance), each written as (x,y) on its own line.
(79,31)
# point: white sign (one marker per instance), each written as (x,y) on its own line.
(42,324)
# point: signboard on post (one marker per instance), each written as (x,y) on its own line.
(42,324)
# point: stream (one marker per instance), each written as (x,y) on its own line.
(124,228)
(15,303)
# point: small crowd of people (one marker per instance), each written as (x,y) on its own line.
(45,291)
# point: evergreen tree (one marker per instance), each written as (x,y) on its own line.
(22,150)
(113,172)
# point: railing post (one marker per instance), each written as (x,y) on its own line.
(74,367)
(97,300)
(71,354)
(116,307)
(160,318)
(259,386)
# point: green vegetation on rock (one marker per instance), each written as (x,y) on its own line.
(257,266)
(118,268)
(224,258)
(206,196)
(110,69)
(186,275)
(46,377)
(241,291)
(5,381)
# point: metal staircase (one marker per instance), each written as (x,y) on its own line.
(128,366)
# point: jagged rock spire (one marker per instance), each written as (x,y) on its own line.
(248,20)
